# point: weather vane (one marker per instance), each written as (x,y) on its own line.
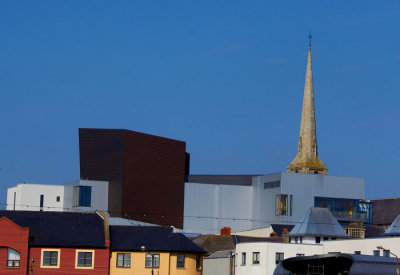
(309,39)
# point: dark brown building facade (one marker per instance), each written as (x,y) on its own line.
(146,173)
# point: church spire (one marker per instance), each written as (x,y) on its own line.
(307,159)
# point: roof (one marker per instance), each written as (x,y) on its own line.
(278,228)
(153,238)
(339,263)
(244,180)
(221,254)
(213,243)
(385,210)
(249,239)
(318,221)
(60,229)
(372,231)
(122,221)
(394,228)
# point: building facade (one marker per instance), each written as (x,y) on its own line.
(146,173)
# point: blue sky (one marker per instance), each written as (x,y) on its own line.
(227,77)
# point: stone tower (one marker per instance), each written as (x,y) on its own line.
(307,159)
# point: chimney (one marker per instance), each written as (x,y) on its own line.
(225,231)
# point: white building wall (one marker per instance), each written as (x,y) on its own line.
(27,197)
(268,251)
(99,197)
(268,255)
(209,207)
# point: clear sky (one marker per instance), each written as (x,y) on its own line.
(227,77)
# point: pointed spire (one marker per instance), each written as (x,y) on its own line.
(307,159)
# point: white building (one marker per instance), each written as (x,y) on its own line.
(77,196)
(263,257)
(35,197)
(246,202)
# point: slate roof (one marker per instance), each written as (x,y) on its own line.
(154,238)
(213,243)
(394,228)
(278,228)
(60,229)
(221,254)
(249,239)
(318,221)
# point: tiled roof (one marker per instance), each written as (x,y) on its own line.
(60,229)
(221,254)
(372,231)
(318,221)
(153,238)
(213,243)
(394,228)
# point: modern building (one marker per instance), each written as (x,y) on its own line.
(48,243)
(146,173)
(76,196)
(153,250)
(320,235)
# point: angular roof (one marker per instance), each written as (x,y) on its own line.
(213,243)
(153,238)
(60,229)
(394,228)
(385,210)
(221,254)
(318,221)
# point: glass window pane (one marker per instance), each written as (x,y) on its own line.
(148,260)
(156,260)
(127,260)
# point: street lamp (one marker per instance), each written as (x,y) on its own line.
(397,258)
(143,248)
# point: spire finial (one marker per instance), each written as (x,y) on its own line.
(309,39)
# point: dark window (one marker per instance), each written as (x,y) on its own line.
(41,202)
(377,252)
(315,172)
(85,259)
(198,262)
(301,239)
(279,257)
(58,198)
(357,252)
(299,255)
(13,258)
(326,238)
(123,260)
(317,239)
(180,261)
(244,258)
(50,258)
(291,205)
(152,260)
(386,253)
(256,257)
(82,196)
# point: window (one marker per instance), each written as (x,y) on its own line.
(152,260)
(317,239)
(279,257)
(58,199)
(256,257)
(299,255)
(198,262)
(326,238)
(50,258)
(41,202)
(377,252)
(291,205)
(13,258)
(243,258)
(180,261)
(84,259)
(296,239)
(357,252)
(301,239)
(281,205)
(386,253)
(82,196)
(272,184)
(123,260)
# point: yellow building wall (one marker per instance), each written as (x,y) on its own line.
(167,264)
